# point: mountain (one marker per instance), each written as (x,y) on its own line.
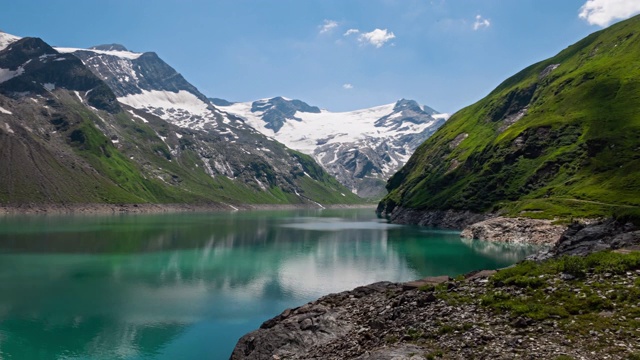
(106,125)
(559,139)
(362,148)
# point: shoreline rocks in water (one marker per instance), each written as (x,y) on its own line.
(515,230)
(442,318)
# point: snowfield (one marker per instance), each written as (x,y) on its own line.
(328,127)
(7,39)
(121,54)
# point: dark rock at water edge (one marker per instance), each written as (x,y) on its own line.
(444,219)
(582,239)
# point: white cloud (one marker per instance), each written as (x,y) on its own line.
(328,26)
(481,23)
(376,37)
(604,12)
(347,86)
(351,31)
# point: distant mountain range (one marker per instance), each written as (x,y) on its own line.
(361,148)
(107,125)
(560,139)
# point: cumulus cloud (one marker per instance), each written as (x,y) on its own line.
(377,37)
(327,26)
(481,23)
(604,12)
(347,86)
(351,31)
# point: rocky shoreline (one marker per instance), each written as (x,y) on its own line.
(106,209)
(515,230)
(442,318)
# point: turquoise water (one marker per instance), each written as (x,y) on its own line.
(187,286)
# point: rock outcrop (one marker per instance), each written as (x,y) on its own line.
(449,321)
(582,239)
(515,230)
(443,318)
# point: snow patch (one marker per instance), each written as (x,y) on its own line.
(231,206)
(441,116)
(138,117)
(7,39)
(5,111)
(6,74)
(121,54)
(9,130)
(180,108)
(49,86)
(79,97)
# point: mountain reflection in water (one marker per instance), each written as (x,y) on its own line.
(189,285)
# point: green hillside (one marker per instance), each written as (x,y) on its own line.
(559,139)
(65,139)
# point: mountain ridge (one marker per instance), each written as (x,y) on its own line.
(361,148)
(68,137)
(556,140)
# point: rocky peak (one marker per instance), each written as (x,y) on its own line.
(220,102)
(133,75)
(35,67)
(276,111)
(406,111)
(22,50)
(404,104)
(284,105)
(109,47)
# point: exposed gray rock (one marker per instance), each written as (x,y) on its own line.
(389,321)
(515,230)
(416,321)
(583,239)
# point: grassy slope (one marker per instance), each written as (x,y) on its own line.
(574,153)
(86,167)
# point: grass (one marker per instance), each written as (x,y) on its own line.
(541,298)
(144,168)
(574,153)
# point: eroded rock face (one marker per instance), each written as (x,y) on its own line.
(583,239)
(313,325)
(515,230)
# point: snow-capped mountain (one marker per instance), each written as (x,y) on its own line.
(145,82)
(118,126)
(361,148)
(7,39)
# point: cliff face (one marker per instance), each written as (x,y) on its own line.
(558,139)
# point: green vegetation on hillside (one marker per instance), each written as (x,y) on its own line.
(559,139)
(582,297)
(93,156)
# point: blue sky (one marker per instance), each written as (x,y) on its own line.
(336,54)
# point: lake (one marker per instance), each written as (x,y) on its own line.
(189,285)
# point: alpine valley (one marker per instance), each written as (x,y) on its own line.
(106,125)
(361,148)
